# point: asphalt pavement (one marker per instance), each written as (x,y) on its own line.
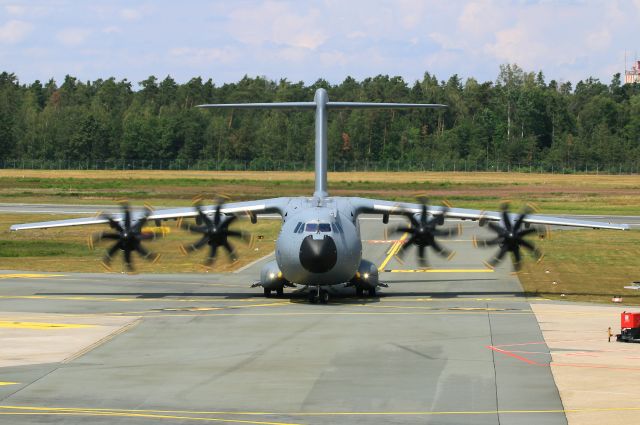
(208,348)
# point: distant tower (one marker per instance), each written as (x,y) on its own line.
(633,75)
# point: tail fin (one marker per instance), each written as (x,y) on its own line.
(321,104)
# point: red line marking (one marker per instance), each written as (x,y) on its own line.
(534,363)
(514,355)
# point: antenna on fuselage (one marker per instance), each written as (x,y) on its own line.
(321,104)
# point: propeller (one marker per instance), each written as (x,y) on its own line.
(128,235)
(215,233)
(423,231)
(510,236)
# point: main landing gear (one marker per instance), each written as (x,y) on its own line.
(370,291)
(279,292)
(318,295)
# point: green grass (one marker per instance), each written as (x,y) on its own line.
(41,248)
(586,265)
(66,250)
(553,194)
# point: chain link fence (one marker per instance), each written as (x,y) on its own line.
(339,166)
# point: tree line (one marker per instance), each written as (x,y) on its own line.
(516,120)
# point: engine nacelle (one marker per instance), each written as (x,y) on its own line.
(367,276)
(271,276)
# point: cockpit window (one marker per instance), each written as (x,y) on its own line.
(298,227)
(315,227)
(325,227)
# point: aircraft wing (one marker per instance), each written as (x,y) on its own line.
(374,206)
(261,206)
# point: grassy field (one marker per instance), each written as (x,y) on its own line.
(585,265)
(66,250)
(553,193)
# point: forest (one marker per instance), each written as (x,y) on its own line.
(519,120)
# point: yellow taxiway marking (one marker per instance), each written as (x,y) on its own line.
(141,415)
(393,251)
(449,309)
(132,413)
(159,315)
(132,299)
(439,271)
(28,275)
(2,384)
(41,325)
(165,413)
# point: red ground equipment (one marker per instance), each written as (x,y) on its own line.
(630,324)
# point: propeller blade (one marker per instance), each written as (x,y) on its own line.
(127,216)
(230,250)
(193,228)
(194,247)
(127,260)
(422,259)
(111,252)
(506,220)
(212,254)
(147,255)
(112,223)
(216,216)
(444,252)
(499,256)
(526,232)
(497,228)
(423,216)
(517,255)
(407,243)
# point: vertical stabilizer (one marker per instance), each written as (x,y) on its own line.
(321,105)
(321,99)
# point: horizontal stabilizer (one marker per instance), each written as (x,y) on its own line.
(322,105)
(275,105)
(371,105)
(329,105)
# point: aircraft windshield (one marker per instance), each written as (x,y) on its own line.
(315,227)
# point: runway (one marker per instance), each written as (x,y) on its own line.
(207,348)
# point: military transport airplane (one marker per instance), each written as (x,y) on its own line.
(319,242)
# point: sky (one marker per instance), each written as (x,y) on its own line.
(304,40)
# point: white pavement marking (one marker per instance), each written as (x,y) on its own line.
(245,267)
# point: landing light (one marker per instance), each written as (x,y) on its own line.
(272,275)
(365,276)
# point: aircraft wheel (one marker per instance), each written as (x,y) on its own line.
(359,292)
(267,292)
(324,297)
(372,292)
(280,292)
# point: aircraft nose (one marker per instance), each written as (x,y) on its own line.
(318,255)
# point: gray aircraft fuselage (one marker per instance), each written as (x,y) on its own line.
(319,241)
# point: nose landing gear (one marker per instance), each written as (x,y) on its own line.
(318,295)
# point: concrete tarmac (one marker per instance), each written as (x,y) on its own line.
(208,348)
